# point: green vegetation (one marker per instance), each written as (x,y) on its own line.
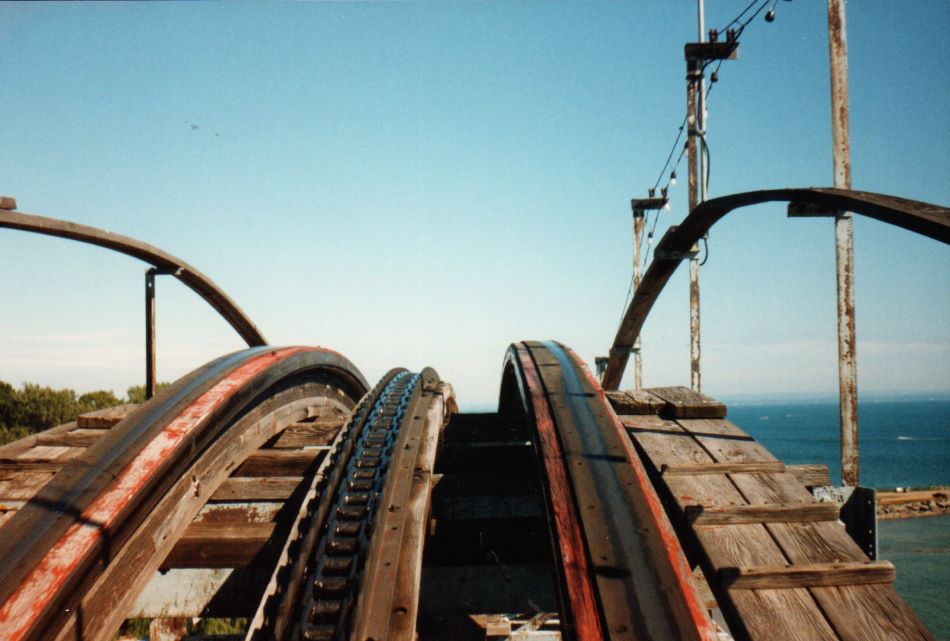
(197,628)
(136,393)
(35,407)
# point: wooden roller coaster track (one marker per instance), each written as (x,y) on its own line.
(275,487)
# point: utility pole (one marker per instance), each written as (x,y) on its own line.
(640,206)
(844,245)
(697,54)
(695,375)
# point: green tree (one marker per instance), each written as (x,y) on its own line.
(98,400)
(136,393)
(41,407)
(7,404)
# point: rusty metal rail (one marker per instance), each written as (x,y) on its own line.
(923,218)
(167,263)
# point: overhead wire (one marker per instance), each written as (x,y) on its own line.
(742,24)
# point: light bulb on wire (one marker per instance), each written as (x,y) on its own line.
(673,179)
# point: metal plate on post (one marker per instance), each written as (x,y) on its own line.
(858,507)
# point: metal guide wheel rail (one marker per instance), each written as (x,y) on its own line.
(349,575)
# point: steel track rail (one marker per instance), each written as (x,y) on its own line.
(276,615)
(191,277)
(73,558)
(363,572)
(623,574)
(923,218)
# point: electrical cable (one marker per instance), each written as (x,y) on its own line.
(742,24)
(742,13)
(672,151)
(705,251)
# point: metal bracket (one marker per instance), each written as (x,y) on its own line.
(858,513)
(641,205)
(671,254)
(719,50)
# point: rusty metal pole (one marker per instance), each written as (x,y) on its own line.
(693,74)
(150,332)
(844,245)
(639,222)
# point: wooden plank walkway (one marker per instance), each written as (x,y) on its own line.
(230,541)
(780,564)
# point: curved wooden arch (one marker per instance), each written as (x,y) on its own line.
(924,218)
(620,564)
(111,508)
(198,282)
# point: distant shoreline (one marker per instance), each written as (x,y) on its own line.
(913,503)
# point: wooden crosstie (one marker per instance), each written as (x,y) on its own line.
(779,563)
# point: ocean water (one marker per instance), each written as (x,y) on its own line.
(920,551)
(902,443)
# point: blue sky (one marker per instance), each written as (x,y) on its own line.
(423,183)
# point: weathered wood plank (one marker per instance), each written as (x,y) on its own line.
(22,486)
(12,467)
(870,613)
(782,615)
(824,542)
(104,419)
(76,438)
(237,514)
(47,452)
(682,402)
(810,474)
(14,449)
(772,488)
(280,462)
(764,513)
(665,442)
(247,488)
(635,401)
(811,575)
(722,468)
(215,545)
(725,441)
(318,432)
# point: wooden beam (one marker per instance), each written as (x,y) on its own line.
(635,401)
(277,488)
(809,575)
(319,432)
(280,462)
(739,467)
(213,545)
(103,419)
(682,402)
(810,475)
(769,513)
(70,439)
